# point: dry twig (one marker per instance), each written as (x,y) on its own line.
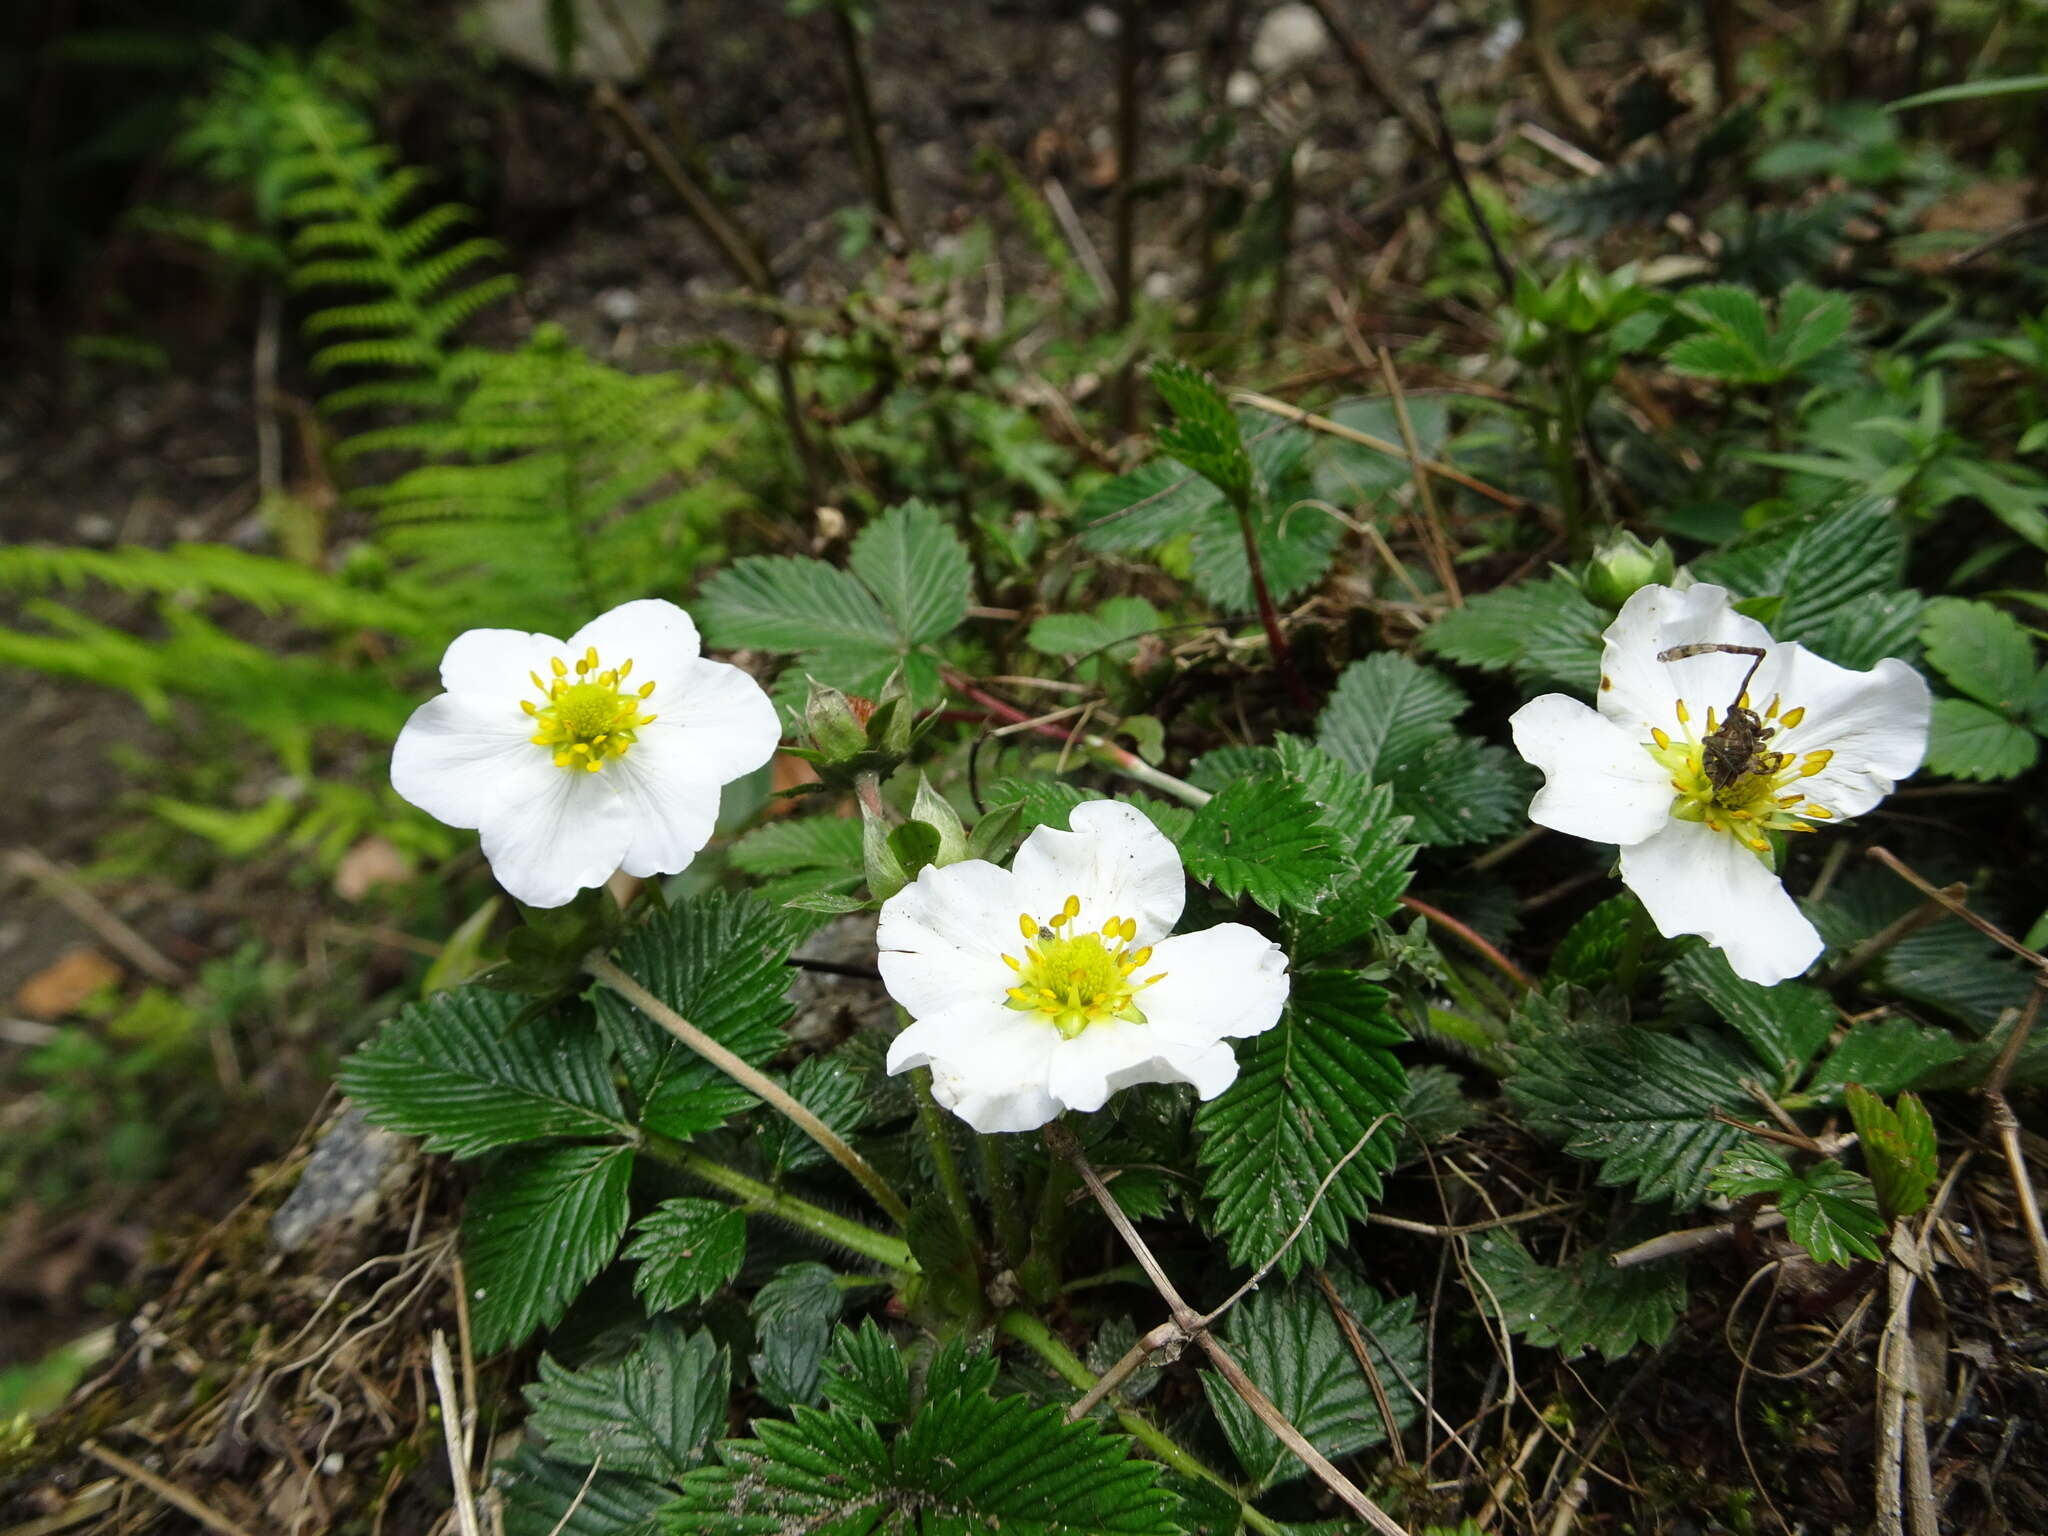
(164,1489)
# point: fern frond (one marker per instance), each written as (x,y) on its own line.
(189,571)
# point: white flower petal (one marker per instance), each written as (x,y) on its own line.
(455,749)
(1599,782)
(1115,860)
(1875,723)
(550,832)
(656,636)
(730,721)
(497,663)
(672,805)
(989,1064)
(1113,1055)
(1692,879)
(1225,981)
(942,938)
(1637,689)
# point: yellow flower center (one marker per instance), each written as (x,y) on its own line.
(1078,979)
(589,718)
(1730,780)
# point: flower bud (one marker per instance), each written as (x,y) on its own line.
(930,808)
(1624,565)
(837,726)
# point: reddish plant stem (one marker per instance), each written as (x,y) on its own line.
(1473,940)
(1283,659)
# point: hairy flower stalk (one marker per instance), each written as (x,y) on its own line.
(1050,985)
(576,758)
(1710,746)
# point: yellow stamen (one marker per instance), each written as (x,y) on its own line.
(1076,979)
(586,722)
(1793,717)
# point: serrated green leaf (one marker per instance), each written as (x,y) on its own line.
(1296,544)
(688,1250)
(1436,1107)
(1887,1055)
(1461,790)
(1205,435)
(1982,651)
(1154,503)
(1385,711)
(802,857)
(1589,953)
(966,1462)
(1898,1149)
(1639,1104)
(1346,470)
(1049,802)
(1829,1211)
(1969,741)
(547,1498)
(538,1228)
(1289,1342)
(651,1414)
(1380,858)
(1307,1090)
(1853,556)
(1111,631)
(866,1375)
(790,603)
(1266,839)
(718,960)
(830,1089)
(456,1071)
(1784,1024)
(1581,1305)
(918,570)
(793,1317)
(1546,631)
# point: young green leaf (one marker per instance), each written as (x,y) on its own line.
(1289,1342)
(536,1231)
(1461,790)
(966,1462)
(651,1414)
(1829,1211)
(1296,544)
(830,1089)
(1373,836)
(688,1249)
(1153,504)
(1049,802)
(793,1317)
(1307,1091)
(1110,632)
(1898,1149)
(718,961)
(801,856)
(456,1071)
(1581,1305)
(1264,838)
(1589,953)
(1639,1104)
(1205,435)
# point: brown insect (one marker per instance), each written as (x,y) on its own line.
(1733,751)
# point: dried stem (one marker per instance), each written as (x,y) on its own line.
(1671,1245)
(1435,540)
(2007,1127)
(1193,1326)
(454,1438)
(164,1489)
(1442,471)
(1448,148)
(1375,81)
(754,1081)
(1355,1339)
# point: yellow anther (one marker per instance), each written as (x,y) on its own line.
(646,690)
(1072,909)
(1760,844)
(1772,712)
(1684,714)
(625,669)
(1743,702)
(1792,799)
(1013,962)
(1813,763)
(1793,717)
(1662,739)
(1710,719)
(529,706)
(561,668)
(1026,926)
(1819,812)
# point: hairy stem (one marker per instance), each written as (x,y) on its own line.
(754,1081)
(1011,1233)
(932,1120)
(761,1199)
(1269,617)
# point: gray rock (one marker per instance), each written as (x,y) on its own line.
(1289,36)
(343,1181)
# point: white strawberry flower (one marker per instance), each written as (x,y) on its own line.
(575,758)
(1663,768)
(1049,985)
